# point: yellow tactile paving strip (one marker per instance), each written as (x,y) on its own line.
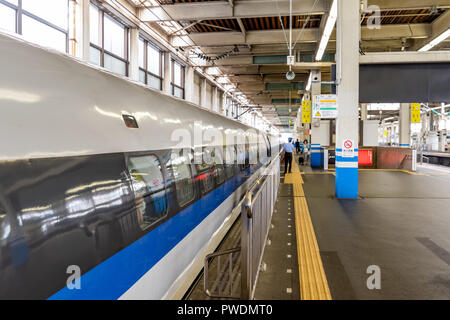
(293,177)
(313,281)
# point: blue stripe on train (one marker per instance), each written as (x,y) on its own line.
(113,277)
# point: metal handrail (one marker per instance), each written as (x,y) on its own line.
(248,278)
(246,206)
(257,182)
(230,273)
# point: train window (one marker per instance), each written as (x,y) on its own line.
(229,161)
(268,146)
(241,156)
(148,186)
(236,165)
(262,152)
(184,183)
(217,156)
(204,170)
(253,153)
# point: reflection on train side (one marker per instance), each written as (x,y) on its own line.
(80,203)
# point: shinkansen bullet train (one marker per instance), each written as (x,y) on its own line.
(90,180)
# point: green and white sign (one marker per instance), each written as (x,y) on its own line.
(325,106)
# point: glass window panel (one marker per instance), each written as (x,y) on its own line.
(153,82)
(148,186)
(42,34)
(153,60)
(142,76)
(177,92)
(205,176)
(7,18)
(219,173)
(16,2)
(141,54)
(183,177)
(94,56)
(177,74)
(94,26)
(114,37)
(53,11)
(115,65)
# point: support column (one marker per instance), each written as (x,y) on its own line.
(363,111)
(134,54)
(215,100)
(221,101)
(203,102)
(347,124)
(167,80)
(189,84)
(316,149)
(405,125)
(85,34)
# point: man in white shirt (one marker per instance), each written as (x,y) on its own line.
(288,149)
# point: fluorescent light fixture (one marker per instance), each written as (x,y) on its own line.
(436,41)
(308,85)
(223,80)
(229,87)
(213,71)
(329,26)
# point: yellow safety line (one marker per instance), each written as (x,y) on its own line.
(313,281)
(317,173)
(295,176)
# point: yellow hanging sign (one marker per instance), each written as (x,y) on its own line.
(306,112)
(415,113)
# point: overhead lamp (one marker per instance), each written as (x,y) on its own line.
(290,75)
(329,26)
(213,71)
(436,41)
(229,87)
(223,80)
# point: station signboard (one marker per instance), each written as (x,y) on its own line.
(325,106)
(415,113)
(348,149)
(306,111)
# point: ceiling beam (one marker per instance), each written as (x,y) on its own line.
(241,25)
(410,4)
(260,37)
(405,57)
(438,26)
(223,10)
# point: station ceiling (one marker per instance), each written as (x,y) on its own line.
(255,31)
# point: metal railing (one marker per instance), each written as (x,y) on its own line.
(422,157)
(226,267)
(244,262)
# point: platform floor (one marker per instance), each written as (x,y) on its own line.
(320,244)
(280,279)
(401,223)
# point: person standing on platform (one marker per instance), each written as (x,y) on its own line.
(288,149)
(306,150)
(297,146)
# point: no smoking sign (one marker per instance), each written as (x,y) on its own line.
(348,149)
